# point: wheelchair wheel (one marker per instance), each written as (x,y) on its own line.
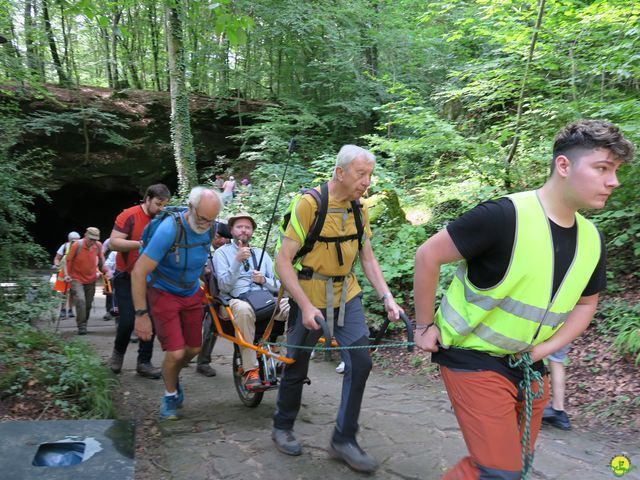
(247,397)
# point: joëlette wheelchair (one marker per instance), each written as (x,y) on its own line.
(270,361)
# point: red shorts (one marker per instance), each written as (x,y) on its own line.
(177,320)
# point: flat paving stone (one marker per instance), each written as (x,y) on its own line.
(406,423)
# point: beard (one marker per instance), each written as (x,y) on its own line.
(194,226)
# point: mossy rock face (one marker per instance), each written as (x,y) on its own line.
(384,208)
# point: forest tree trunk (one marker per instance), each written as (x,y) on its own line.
(180,118)
(62,78)
(33,62)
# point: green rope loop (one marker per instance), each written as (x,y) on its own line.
(329,349)
(525,363)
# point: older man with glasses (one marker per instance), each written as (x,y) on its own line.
(167,273)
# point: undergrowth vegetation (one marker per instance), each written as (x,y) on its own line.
(620,320)
(64,376)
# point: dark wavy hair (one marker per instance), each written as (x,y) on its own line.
(583,135)
(158,190)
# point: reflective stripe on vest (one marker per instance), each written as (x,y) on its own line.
(519,312)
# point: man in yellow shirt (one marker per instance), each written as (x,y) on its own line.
(323,284)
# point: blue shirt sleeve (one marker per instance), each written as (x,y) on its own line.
(162,240)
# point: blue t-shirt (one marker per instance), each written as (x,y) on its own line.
(184,266)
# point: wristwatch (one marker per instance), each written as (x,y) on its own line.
(142,312)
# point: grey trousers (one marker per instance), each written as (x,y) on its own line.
(82,298)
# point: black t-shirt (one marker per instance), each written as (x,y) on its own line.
(484,236)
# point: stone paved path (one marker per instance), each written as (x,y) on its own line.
(406,423)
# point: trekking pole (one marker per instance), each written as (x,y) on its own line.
(291,147)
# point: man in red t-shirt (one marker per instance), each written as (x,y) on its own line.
(80,269)
(125,239)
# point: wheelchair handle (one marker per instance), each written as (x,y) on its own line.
(385,325)
(325,330)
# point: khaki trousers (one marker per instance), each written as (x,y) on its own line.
(245,319)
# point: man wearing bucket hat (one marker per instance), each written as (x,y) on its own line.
(80,269)
(238,273)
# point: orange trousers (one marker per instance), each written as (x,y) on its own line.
(488,410)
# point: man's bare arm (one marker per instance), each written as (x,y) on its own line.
(143,267)
(431,255)
(119,242)
(576,323)
(372,270)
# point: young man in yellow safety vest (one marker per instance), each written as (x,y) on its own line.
(532,271)
(323,285)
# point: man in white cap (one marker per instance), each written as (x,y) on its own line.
(58,263)
(80,269)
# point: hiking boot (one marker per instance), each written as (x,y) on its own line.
(206,370)
(82,330)
(252,379)
(286,441)
(63,314)
(115,362)
(70,313)
(169,408)
(556,418)
(147,370)
(351,454)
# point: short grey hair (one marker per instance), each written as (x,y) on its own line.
(348,153)
(196,195)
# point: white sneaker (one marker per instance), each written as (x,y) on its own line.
(340,368)
(313,354)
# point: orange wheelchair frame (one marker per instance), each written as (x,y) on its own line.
(270,362)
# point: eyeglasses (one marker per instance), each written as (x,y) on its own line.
(200,220)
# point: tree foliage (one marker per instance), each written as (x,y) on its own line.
(436,88)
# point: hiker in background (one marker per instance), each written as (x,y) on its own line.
(236,268)
(125,239)
(80,269)
(168,274)
(218,183)
(107,289)
(245,188)
(326,286)
(203,362)
(60,285)
(529,282)
(228,190)
(554,414)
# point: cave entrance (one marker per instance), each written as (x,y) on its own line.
(76,206)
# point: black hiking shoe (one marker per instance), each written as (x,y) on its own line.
(286,441)
(351,454)
(115,362)
(556,418)
(147,370)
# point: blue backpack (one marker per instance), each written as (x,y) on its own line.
(180,239)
